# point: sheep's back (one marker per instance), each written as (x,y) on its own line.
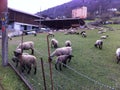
(29,59)
(64,51)
(28,45)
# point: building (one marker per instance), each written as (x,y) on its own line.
(80,13)
(18,20)
(21,20)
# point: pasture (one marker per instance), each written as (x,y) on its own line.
(89,69)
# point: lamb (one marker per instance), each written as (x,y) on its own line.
(26,60)
(104,37)
(62,59)
(26,46)
(99,44)
(68,43)
(118,55)
(54,43)
(61,51)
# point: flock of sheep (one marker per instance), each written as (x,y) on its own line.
(63,54)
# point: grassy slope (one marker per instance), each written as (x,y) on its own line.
(97,64)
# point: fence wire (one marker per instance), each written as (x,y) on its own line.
(59,78)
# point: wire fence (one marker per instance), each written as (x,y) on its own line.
(68,79)
(72,80)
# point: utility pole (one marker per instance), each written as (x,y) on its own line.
(4,20)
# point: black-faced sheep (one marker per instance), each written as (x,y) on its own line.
(51,34)
(61,51)
(118,55)
(68,43)
(15,59)
(84,34)
(104,37)
(54,43)
(62,60)
(26,46)
(26,60)
(99,44)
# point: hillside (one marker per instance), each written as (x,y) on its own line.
(93,6)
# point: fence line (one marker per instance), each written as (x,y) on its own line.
(104,85)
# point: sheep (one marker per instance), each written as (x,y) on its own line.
(104,37)
(26,46)
(61,51)
(84,34)
(26,60)
(98,44)
(118,55)
(51,34)
(54,43)
(68,43)
(62,59)
(15,59)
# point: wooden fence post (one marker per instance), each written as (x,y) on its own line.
(4,18)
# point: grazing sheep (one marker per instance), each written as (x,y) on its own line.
(54,43)
(84,34)
(51,34)
(61,51)
(118,55)
(26,46)
(62,59)
(99,44)
(15,59)
(104,37)
(68,43)
(26,60)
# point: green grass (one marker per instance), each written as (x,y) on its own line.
(99,65)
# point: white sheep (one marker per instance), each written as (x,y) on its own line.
(98,44)
(26,46)
(61,51)
(54,43)
(26,60)
(104,37)
(68,43)
(62,59)
(118,55)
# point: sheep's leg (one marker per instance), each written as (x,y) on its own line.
(56,66)
(29,69)
(100,46)
(64,64)
(22,68)
(118,60)
(32,51)
(16,64)
(35,70)
(60,67)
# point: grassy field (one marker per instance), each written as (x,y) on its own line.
(89,69)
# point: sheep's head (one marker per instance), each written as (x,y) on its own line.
(15,59)
(95,45)
(50,59)
(70,56)
(17,52)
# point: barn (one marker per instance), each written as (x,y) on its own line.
(19,20)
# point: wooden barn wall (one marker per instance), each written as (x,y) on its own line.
(22,17)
